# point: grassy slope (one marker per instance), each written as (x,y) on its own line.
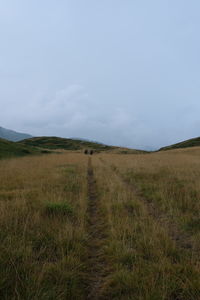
(62,143)
(185,144)
(38,145)
(10,149)
(72,144)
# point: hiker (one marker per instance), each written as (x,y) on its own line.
(91,152)
(86,151)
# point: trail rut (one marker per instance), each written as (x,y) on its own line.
(97,230)
(163,219)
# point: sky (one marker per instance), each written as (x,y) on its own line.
(121,72)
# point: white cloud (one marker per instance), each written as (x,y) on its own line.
(136,82)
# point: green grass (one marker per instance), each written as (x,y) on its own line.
(58,209)
(185,144)
(64,143)
(10,149)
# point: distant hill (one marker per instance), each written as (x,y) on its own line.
(13,136)
(10,149)
(185,144)
(64,143)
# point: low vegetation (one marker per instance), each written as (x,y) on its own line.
(58,209)
(63,143)
(10,149)
(110,226)
(185,144)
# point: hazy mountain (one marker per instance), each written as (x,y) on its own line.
(11,135)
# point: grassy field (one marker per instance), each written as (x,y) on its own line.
(107,226)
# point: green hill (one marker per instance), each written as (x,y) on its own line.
(10,149)
(63,143)
(185,144)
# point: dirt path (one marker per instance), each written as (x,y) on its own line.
(163,219)
(97,229)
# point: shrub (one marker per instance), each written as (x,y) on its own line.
(58,209)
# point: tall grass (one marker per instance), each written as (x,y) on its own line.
(171,182)
(147,262)
(44,223)
(42,257)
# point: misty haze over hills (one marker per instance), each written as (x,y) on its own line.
(131,80)
(12,135)
(15,136)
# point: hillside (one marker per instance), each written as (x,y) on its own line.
(13,136)
(10,149)
(185,144)
(63,143)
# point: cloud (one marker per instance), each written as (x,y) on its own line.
(70,112)
(133,83)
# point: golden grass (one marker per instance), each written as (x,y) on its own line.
(41,257)
(146,226)
(155,215)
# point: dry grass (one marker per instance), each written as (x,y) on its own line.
(41,257)
(153,206)
(146,226)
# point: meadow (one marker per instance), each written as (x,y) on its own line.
(107,226)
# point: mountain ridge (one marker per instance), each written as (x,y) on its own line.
(13,136)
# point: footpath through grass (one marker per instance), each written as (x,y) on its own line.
(150,261)
(73,232)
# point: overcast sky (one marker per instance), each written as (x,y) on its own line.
(122,72)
